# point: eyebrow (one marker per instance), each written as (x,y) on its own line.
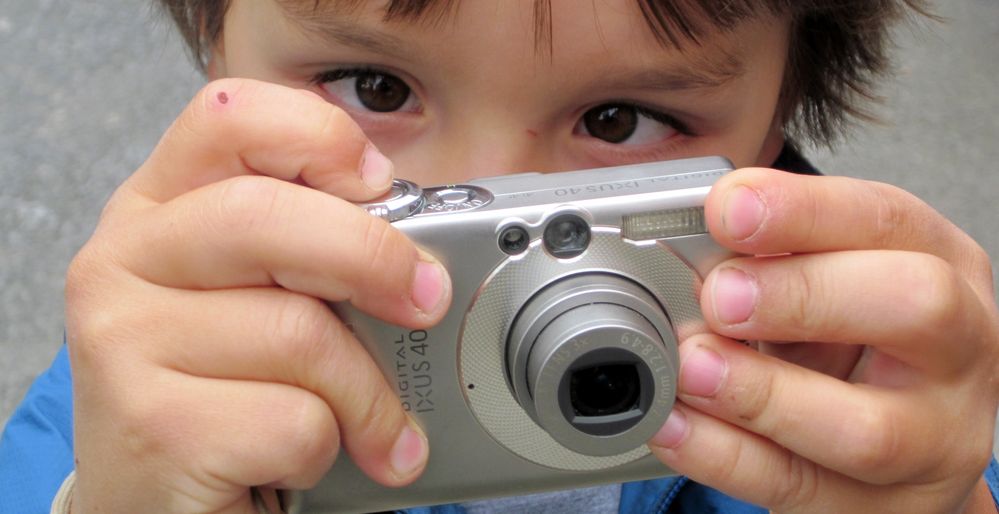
(701,71)
(682,78)
(331,28)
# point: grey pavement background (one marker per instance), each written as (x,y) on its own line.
(88,86)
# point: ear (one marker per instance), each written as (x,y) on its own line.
(774,141)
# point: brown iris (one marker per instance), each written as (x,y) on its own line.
(613,123)
(381,92)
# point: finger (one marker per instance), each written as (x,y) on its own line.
(249,433)
(911,306)
(875,435)
(754,469)
(767,212)
(273,336)
(195,445)
(834,359)
(257,231)
(238,127)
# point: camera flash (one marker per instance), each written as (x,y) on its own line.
(659,224)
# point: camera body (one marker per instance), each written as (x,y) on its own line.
(557,360)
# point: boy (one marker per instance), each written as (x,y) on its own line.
(200,287)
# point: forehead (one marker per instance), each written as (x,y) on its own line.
(675,23)
(559,33)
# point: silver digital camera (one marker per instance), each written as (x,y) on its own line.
(557,360)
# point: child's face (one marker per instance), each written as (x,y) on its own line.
(475,93)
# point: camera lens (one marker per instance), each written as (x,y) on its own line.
(588,360)
(604,390)
(513,240)
(567,236)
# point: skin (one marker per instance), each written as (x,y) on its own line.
(203,286)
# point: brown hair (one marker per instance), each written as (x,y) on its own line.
(838,49)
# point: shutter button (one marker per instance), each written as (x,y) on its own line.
(451,196)
(403,199)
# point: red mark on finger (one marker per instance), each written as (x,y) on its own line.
(532,133)
(223,98)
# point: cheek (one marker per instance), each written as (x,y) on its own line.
(756,144)
(412,156)
(754,137)
(751,139)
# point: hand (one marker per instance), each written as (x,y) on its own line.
(204,359)
(886,401)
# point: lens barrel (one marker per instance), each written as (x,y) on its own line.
(587,357)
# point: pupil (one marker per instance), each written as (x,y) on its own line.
(612,123)
(381,93)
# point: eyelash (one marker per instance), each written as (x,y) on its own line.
(659,116)
(345,73)
(681,128)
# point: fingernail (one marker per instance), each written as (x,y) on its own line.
(376,169)
(409,452)
(743,213)
(429,286)
(733,296)
(701,372)
(673,431)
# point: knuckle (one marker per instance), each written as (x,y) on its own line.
(80,275)
(977,255)
(90,269)
(979,261)
(310,433)
(335,125)
(101,338)
(88,332)
(378,416)
(725,470)
(889,214)
(384,249)
(871,442)
(149,425)
(811,220)
(246,204)
(94,319)
(302,327)
(755,403)
(376,240)
(800,485)
(807,287)
(935,295)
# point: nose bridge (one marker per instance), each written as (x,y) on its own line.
(488,144)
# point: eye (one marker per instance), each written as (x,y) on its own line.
(622,123)
(372,90)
